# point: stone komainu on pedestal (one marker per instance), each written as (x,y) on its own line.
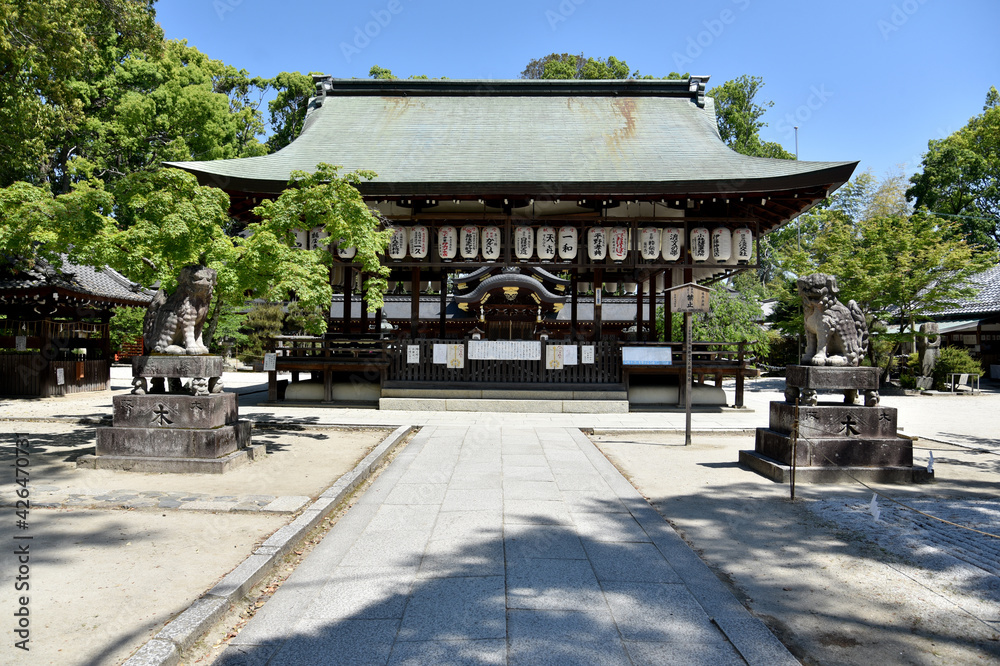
(170,426)
(832,442)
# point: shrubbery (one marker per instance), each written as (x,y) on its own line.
(954,359)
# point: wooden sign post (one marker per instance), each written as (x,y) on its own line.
(688,298)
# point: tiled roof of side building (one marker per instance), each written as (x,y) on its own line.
(104,283)
(985,302)
(476,137)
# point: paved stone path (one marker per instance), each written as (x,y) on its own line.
(68,497)
(503,545)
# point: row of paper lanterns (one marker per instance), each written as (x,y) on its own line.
(718,244)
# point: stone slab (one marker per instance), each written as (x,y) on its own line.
(780,473)
(173,443)
(835,452)
(177,366)
(150,465)
(821,378)
(510,406)
(174,410)
(834,420)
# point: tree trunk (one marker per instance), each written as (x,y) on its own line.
(213,321)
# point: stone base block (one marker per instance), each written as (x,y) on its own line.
(154,465)
(835,452)
(820,378)
(198,443)
(781,473)
(835,420)
(177,366)
(169,410)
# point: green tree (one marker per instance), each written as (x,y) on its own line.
(569,66)
(288,108)
(961,176)
(739,115)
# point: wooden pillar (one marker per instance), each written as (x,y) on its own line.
(574,283)
(348,288)
(668,315)
(442,318)
(378,322)
(272,386)
(414,301)
(639,302)
(362,305)
(652,309)
(598,285)
(739,376)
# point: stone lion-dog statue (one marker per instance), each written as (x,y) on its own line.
(173,324)
(836,334)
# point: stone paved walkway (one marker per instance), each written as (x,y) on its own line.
(56,497)
(503,545)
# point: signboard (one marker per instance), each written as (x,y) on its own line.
(60,377)
(587,354)
(440,354)
(646,356)
(569,355)
(456,356)
(505,350)
(554,357)
(690,297)
(413,353)
(270,362)
(22,343)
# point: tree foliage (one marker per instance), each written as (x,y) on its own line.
(569,66)
(740,115)
(961,176)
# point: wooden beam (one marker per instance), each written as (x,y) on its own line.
(414,301)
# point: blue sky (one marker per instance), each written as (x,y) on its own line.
(867,80)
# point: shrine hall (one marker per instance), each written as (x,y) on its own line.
(539,227)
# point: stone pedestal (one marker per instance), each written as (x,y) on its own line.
(178,431)
(835,441)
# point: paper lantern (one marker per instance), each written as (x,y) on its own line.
(743,242)
(447,243)
(630,288)
(618,247)
(722,244)
(661,282)
(491,243)
(346,252)
(597,243)
(649,243)
(567,243)
(316,236)
(468,242)
(301,238)
(523,242)
(610,288)
(672,243)
(419,241)
(546,243)
(700,244)
(397,244)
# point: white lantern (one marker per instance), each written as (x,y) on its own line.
(447,243)
(316,236)
(468,241)
(630,288)
(337,277)
(567,243)
(397,244)
(597,243)
(672,243)
(661,282)
(610,288)
(419,241)
(743,240)
(301,239)
(523,243)
(582,287)
(700,244)
(618,247)
(491,243)
(722,244)
(546,243)
(649,243)
(345,252)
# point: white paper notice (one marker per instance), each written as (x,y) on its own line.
(413,353)
(456,356)
(554,357)
(569,355)
(270,362)
(21,342)
(440,354)
(587,352)
(60,377)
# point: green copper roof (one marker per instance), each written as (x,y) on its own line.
(531,137)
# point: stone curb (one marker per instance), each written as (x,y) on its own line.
(183,631)
(605,430)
